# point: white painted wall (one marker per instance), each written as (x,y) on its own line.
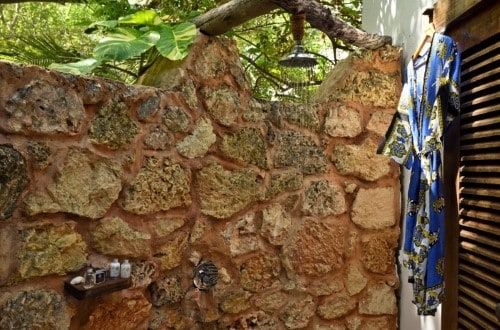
(404,22)
(400,19)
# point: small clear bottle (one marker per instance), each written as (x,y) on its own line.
(114,269)
(125,269)
(88,278)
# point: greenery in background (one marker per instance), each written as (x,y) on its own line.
(46,33)
(119,38)
(111,38)
(266,39)
(139,36)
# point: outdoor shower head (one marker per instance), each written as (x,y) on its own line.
(298,58)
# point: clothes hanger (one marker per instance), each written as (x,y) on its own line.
(429,32)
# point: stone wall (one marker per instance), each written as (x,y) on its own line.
(290,202)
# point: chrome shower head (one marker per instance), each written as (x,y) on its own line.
(298,58)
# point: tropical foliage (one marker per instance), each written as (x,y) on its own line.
(137,36)
(119,38)
(45,33)
(115,39)
(29,32)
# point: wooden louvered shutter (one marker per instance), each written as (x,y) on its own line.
(479,187)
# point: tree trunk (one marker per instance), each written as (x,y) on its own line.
(221,19)
(233,13)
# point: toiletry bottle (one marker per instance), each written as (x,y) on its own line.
(125,269)
(114,269)
(88,278)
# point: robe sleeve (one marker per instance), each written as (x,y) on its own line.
(446,100)
(453,64)
(397,143)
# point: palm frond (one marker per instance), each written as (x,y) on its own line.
(40,49)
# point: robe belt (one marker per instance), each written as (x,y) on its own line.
(425,163)
(425,151)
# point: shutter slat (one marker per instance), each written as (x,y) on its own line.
(466,323)
(479,238)
(481,203)
(493,292)
(481,192)
(477,249)
(491,134)
(477,112)
(480,215)
(481,87)
(475,294)
(480,262)
(479,77)
(484,122)
(481,157)
(484,275)
(477,308)
(494,230)
(480,65)
(481,145)
(476,319)
(481,168)
(466,67)
(480,180)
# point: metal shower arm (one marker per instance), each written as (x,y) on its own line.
(297,25)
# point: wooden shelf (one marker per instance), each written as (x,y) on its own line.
(108,286)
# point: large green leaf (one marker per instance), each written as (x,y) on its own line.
(143,17)
(125,43)
(81,67)
(174,42)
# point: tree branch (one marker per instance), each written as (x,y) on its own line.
(233,13)
(219,20)
(272,78)
(321,18)
(117,68)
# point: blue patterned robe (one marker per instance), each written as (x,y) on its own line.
(429,102)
